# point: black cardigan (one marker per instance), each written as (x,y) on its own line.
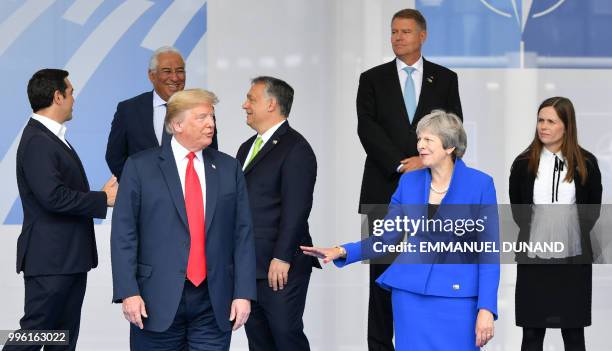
(521,193)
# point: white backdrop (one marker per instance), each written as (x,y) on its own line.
(320,47)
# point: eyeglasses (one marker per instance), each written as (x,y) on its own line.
(168,71)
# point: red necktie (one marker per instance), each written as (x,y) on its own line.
(194,203)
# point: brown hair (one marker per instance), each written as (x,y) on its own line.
(570,148)
(411,14)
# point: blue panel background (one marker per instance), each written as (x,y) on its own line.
(467,28)
(50,42)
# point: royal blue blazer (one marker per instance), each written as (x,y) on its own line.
(475,192)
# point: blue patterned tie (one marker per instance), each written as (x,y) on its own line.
(409,94)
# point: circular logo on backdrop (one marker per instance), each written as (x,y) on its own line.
(526,7)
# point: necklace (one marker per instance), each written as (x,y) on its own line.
(436,190)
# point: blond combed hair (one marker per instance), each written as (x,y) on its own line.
(185,100)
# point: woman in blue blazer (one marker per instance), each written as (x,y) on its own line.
(441,301)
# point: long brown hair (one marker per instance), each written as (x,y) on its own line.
(570,148)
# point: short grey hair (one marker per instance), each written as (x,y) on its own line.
(448,127)
(154,60)
(185,100)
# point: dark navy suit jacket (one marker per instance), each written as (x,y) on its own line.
(468,187)
(281,180)
(150,236)
(57,236)
(132,131)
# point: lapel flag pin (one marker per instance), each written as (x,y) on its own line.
(430,79)
(213,166)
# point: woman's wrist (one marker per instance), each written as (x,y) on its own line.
(341,251)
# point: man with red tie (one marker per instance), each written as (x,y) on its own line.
(182,247)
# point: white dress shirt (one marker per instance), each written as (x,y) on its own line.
(180,157)
(159,114)
(417,76)
(264,137)
(58,129)
(554,219)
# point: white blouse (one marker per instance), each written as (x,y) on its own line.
(550,186)
(550,222)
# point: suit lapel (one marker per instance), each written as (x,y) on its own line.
(244,150)
(78,160)
(212,185)
(397,98)
(167,164)
(268,146)
(146,118)
(426,90)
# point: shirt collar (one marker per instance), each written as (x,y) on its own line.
(547,154)
(54,127)
(268,134)
(417,65)
(157,100)
(180,152)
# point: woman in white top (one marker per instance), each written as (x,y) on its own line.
(547,180)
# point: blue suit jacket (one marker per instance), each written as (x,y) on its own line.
(132,131)
(468,187)
(150,236)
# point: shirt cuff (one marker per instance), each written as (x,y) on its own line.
(278,259)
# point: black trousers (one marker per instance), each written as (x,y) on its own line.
(53,302)
(533,339)
(275,322)
(194,327)
(380,313)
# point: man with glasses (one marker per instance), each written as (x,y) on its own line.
(139,122)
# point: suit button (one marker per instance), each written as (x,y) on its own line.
(456,287)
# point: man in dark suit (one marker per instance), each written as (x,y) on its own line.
(139,121)
(182,249)
(391,100)
(280,169)
(57,245)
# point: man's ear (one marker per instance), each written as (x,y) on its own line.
(151,75)
(177,127)
(272,104)
(423,36)
(58,98)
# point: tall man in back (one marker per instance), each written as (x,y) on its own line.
(280,170)
(391,100)
(57,245)
(139,121)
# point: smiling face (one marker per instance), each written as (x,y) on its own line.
(551,129)
(258,107)
(407,38)
(169,76)
(431,150)
(196,129)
